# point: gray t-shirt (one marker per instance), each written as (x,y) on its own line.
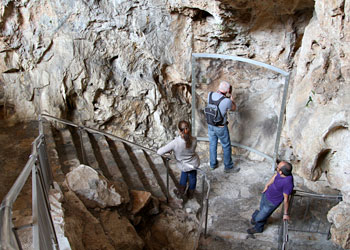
(225,104)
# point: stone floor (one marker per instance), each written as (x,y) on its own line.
(233,196)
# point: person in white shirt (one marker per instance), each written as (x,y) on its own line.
(184,147)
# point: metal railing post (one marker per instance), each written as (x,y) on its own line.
(206,216)
(203,187)
(35,209)
(167,179)
(83,153)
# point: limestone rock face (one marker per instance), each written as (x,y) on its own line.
(125,67)
(92,188)
(340,230)
(317,120)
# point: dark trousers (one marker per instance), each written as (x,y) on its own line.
(260,216)
(192,178)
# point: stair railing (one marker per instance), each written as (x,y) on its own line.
(284,236)
(204,205)
(44,236)
(166,160)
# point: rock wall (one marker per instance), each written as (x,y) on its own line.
(125,67)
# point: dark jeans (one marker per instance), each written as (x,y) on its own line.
(260,216)
(192,178)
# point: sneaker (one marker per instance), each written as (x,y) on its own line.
(231,170)
(252,231)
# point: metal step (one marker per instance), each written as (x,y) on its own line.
(66,149)
(106,159)
(126,166)
(145,172)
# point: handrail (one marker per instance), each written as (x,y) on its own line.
(285,235)
(41,239)
(98,132)
(7,240)
(315,195)
(204,216)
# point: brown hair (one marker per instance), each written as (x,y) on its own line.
(185,130)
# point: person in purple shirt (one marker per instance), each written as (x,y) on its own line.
(278,189)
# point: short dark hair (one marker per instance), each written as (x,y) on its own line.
(286,168)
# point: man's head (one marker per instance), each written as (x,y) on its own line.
(285,168)
(224,87)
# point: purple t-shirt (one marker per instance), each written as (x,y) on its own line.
(281,185)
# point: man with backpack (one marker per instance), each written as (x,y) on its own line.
(216,113)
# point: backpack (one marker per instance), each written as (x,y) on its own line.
(212,111)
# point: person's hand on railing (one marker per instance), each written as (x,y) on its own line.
(286,217)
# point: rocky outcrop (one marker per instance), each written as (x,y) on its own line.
(92,215)
(94,190)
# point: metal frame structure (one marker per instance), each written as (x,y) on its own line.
(44,235)
(286,76)
(285,228)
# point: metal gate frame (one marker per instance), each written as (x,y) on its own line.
(286,76)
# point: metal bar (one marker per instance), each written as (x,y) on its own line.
(35,210)
(236,144)
(203,187)
(14,230)
(44,162)
(91,130)
(306,231)
(241,59)
(167,179)
(318,196)
(193,87)
(7,240)
(206,216)
(46,226)
(280,121)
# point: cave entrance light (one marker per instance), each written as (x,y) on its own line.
(272,158)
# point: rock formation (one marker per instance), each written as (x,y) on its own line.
(125,67)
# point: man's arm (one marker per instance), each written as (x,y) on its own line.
(234,106)
(269,183)
(286,206)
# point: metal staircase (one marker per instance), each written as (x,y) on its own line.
(62,145)
(138,168)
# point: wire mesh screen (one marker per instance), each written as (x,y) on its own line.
(258,93)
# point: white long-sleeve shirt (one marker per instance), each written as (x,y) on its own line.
(187,159)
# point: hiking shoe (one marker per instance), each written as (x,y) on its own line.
(231,170)
(252,231)
(252,221)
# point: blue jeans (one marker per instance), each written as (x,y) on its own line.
(223,134)
(260,216)
(192,179)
